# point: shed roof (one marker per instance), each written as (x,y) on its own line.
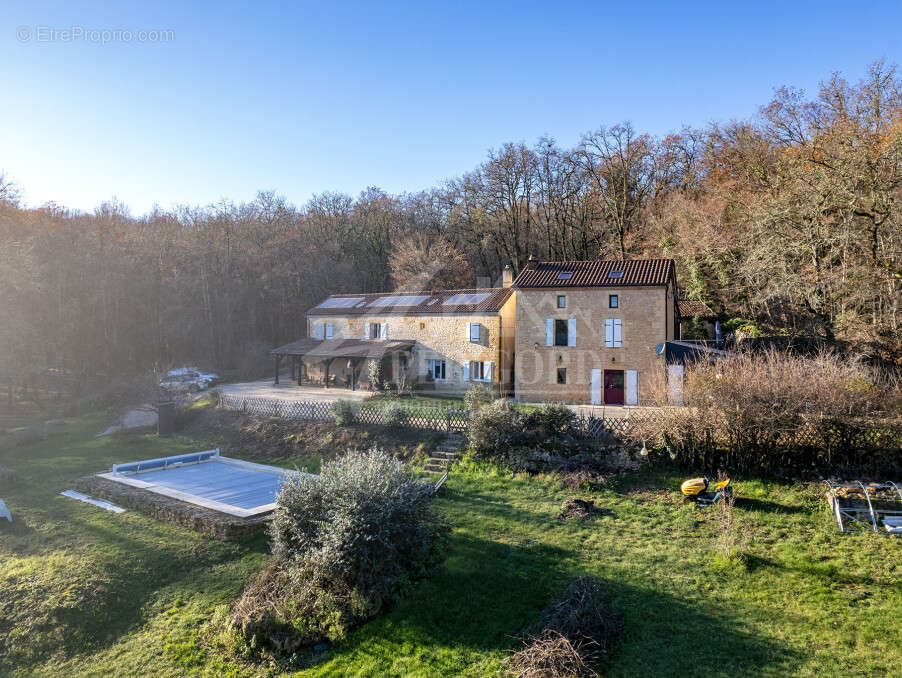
(687,352)
(485,300)
(343,348)
(689,308)
(596,273)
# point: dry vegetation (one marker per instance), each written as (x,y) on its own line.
(578,631)
(777,413)
(273,438)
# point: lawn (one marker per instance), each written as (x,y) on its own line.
(84,592)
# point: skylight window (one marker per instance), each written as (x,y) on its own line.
(340,302)
(565,275)
(399,301)
(615,274)
(460,299)
(432,301)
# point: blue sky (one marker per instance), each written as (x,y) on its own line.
(303,98)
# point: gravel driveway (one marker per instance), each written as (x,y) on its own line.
(289,391)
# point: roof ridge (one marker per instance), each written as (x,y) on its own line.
(591,261)
(415,292)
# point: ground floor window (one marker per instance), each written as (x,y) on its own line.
(562,375)
(435,369)
(480,370)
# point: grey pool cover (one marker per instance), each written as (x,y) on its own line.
(206,479)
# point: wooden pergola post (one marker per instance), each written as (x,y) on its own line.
(278,363)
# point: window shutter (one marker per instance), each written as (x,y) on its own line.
(466,371)
(617,332)
(328,330)
(489,369)
(549,331)
(366,330)
(609,333)
(571,332)
(430,368)
(469,332)
(318,330)
(384,332)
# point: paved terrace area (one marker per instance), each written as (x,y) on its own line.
(291,392)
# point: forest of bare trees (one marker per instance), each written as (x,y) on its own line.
(790,221)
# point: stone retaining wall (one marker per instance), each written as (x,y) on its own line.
(213,523)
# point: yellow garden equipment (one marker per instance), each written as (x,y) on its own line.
(697,490)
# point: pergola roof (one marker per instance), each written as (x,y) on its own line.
(343,348)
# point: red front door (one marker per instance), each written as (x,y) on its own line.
(613,387)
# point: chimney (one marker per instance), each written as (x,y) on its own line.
(507,276)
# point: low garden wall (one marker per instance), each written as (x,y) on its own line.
(213,523)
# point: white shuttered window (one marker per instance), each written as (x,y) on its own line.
(613,333)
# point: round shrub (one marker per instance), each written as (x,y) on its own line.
(494,428)
(477,396)
(344,542)
(548,421)
(345,412)
(394,415)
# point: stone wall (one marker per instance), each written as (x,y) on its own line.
(646,314)
(438,337)
(198,518)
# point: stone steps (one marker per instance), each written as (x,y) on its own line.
(445,455)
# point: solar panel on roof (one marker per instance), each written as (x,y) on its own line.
(564,275)
(615,274)
(340,302)
(460,299)
(399,301)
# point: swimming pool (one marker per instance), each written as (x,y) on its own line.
(232,486)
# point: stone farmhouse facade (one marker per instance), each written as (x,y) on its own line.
(580,332)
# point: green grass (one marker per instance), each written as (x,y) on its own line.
(84,592)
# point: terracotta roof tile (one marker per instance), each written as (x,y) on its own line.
(689,308)
(596,273)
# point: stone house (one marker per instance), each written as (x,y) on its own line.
(442,341)
(577,332)
(587,330)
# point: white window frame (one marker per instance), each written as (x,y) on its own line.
(374,331)
(483,368)
(431,365)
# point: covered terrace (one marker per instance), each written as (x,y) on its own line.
(353,355)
